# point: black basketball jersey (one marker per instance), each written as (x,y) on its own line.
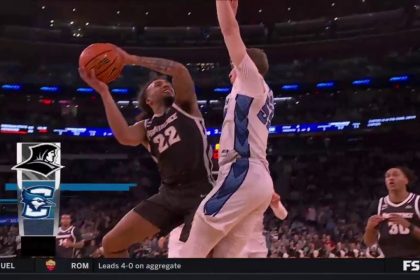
(178,142)
(72,234)
(395,240)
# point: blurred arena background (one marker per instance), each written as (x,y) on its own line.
(345,74)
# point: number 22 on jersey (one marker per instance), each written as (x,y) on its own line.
(166,139)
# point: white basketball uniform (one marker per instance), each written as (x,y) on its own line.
(256,246)
(174,244)
(227,217)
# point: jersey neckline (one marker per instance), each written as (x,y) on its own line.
(410,196)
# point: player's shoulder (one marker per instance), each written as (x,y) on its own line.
(73,229)
(246,62)
(416,199)
(146,123)
(247,68)
(175,108)
(417,205)
(383,202)
(411,198)
(267,88)
(375,206)
(416,195)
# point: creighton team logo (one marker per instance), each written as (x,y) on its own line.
(41,160)
(37,201)
(38,185)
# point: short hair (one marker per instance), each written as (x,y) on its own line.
(259,57)
(67,214)
(146,110)
(409,174)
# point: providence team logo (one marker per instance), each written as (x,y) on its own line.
(38,179)
(41,160)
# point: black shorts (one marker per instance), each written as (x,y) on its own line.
(171,208)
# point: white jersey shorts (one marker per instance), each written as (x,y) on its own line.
(227,217)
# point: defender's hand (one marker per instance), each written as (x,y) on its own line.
(275,198)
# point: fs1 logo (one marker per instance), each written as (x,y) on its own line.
(411,265)
(37,201)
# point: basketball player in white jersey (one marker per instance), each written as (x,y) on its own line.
(256,246)
(228,215)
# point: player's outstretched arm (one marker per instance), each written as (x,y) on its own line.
(226,14)
(181,78)
(126,135)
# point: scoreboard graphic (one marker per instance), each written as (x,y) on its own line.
(38,188)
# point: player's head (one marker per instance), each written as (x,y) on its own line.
(260,60)
(399,178)
(155,94)
(65,220)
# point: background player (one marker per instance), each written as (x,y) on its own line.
(374,252)
(175,134)
(68,239)
(229,214)
(396,226)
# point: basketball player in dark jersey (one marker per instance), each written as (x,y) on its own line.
(396,225)
(68,240)
(175,135)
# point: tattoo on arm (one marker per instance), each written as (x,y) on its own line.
(181,77)
(161,65)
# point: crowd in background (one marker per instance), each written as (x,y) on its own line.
(357,105)
(327,182)
(210,74)
(328,197)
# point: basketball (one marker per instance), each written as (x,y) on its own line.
(105,59)
(235,129)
